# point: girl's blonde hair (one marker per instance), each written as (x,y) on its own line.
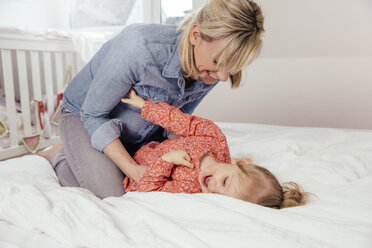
(275,195)
(239,23)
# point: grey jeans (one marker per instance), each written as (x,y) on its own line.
(78,164)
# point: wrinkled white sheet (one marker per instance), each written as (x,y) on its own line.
(334,164)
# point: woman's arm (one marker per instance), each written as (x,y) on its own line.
(119,155)
(115,72)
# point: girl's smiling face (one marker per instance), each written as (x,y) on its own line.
(204,60)
(228,179)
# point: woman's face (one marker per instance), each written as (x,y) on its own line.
(205,63)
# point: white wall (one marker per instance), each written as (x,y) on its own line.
(315,68)
(34,13)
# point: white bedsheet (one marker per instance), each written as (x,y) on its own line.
(334,164)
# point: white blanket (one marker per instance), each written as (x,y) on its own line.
(334,164)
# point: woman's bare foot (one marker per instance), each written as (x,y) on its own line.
(48,154)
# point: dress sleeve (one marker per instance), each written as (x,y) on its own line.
(179,123)
(156,175)
(190,107)
(158,178)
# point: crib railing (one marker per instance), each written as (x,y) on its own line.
(32,69)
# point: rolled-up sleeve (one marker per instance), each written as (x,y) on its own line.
(119,69)
(106,133)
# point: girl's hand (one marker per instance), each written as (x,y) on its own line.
(241,161)
(178,157)
(173,136)
(134,99)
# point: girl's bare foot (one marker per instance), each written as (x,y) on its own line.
(48,154)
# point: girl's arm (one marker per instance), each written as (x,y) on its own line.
(189,108)
(158,175)
(173,119)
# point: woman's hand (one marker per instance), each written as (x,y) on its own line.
(141,169)
(178,157)
(134,99)
(241,161)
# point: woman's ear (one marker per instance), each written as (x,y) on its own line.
(195,34)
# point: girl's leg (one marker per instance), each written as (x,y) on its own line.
(92,169)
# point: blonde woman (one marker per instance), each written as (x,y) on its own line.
(162,63)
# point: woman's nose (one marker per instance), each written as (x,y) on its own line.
(223,75)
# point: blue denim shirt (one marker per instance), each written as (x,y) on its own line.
(144,57)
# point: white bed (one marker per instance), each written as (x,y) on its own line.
(334,164)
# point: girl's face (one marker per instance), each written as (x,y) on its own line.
(204,60)
(227,179)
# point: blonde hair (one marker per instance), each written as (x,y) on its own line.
(274,195)
(239,23)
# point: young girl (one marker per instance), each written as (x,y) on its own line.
(199,161)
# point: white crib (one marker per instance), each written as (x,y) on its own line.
(31,68)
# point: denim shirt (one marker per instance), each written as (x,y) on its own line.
(144,57)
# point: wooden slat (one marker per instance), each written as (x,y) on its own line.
(48,73)
(71,61)
(59,72)
(64,63)
(35,73)
(36,80)
(1,77)
(24,92)
(9,92)
(77,64)
(57,84)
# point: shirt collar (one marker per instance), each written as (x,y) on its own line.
(173,68)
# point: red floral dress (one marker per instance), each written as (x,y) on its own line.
(198,136)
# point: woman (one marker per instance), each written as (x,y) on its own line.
(162,63)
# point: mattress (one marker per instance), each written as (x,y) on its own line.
(335,165)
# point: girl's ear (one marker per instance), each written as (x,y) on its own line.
(195,34)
